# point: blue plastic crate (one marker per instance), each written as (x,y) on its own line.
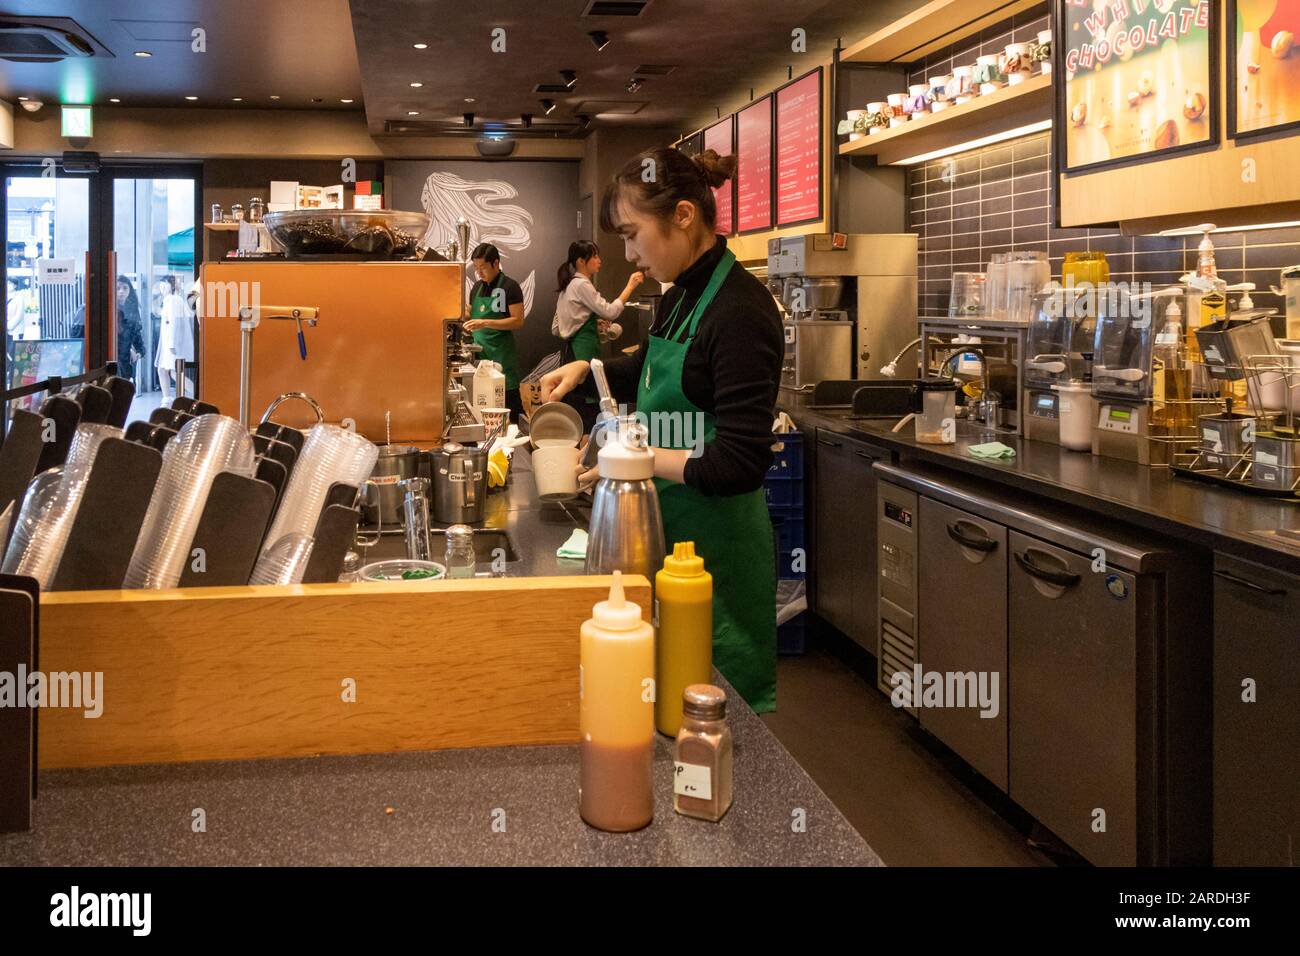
(788,463)
(785,565)
(792,636)
(788,527)
(783,492)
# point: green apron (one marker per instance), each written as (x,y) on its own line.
(498,344)
(584,344)
(733,534)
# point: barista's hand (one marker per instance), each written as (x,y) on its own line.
(473,325)
(587,478)
(555,385)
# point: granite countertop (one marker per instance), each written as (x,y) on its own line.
(333,811)
(1153,498)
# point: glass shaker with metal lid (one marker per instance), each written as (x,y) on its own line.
(256,207)
(460,551)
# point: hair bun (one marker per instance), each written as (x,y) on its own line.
(715,169)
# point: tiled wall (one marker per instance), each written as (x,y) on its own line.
(997,198)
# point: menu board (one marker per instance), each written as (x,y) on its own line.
(754,175)
(719,139)
(1264,66)
(799,150)
(1139,79)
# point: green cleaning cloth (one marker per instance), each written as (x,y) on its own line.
(575,547)
(992,450)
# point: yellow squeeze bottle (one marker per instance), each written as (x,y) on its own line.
(684,641)
(616,693)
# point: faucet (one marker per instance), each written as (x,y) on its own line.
(890,370)
(289,396)
(986,409)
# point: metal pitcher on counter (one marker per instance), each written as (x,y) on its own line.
(459,483)
(627,529)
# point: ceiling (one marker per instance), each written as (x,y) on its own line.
(718,49)
(298,50)
(314,54)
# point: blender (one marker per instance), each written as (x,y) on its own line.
(1058,352)
(1121,376)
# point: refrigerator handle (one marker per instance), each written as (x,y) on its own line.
(1233,579)
(987,545)
(1062,579)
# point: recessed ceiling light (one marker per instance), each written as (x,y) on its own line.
(421,46)
(570,78)
(599,39)
(143,53)
(417,85)
(548,106)
(191,98)
(345,101)
(237,99)
(114,99)
(274,97)
(22,99)
(412,112)
(469,99)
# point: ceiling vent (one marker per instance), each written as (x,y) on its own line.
(46,40)
(615,8)
(609,107)
(653,69)
(552,88)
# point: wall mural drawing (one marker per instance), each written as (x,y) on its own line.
(447,197)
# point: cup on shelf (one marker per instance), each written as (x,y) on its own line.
(961,81)
(918,99)
(1016,64)
(1040,52)
(967,296)
(988,76)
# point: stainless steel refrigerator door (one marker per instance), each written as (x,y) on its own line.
(1072,649)
(962,625)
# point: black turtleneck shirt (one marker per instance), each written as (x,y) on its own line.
(732,369)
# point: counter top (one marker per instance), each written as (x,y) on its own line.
(328,811)
(1153,498)
(536,528)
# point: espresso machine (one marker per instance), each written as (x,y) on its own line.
(849,301)
(1059,348)
(460,423)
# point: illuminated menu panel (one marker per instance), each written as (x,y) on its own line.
(718,138)
(754,178)
(799,150)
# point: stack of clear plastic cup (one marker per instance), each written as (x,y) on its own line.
(329,455)
(284,562)
(50,508)
(204,448)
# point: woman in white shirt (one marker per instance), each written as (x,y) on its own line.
(580,309)
(175,336)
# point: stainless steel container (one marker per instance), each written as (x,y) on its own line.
(1276,461)
(396,463)
(627,529)
(459,483)
(626,532)
(1225,437)
(813,293)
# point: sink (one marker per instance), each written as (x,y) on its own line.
(486,543)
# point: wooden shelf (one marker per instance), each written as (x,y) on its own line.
(932,27)
(1010,107)
(222,226)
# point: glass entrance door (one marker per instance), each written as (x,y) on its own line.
(97,269)
(47,281)
(152,266)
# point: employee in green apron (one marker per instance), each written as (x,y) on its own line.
(706,377)
(582,313)
(496,309)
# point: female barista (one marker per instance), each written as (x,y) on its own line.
(496,310)
(714,352)
(579,311)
